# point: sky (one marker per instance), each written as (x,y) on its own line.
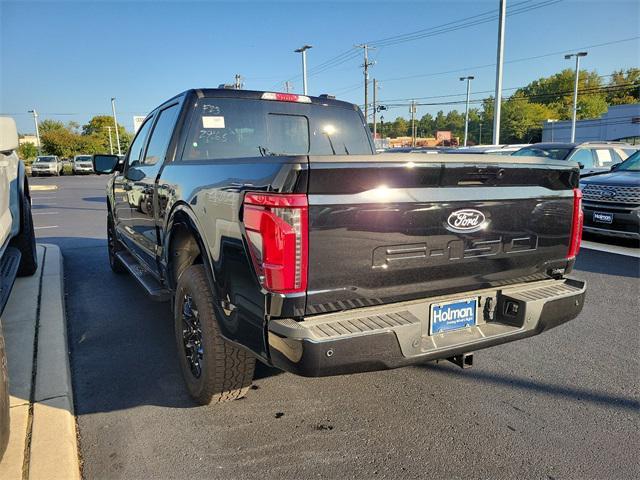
(67,59)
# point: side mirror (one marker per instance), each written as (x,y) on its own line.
(105,163)
(581,165)
(8,134)
(614,166)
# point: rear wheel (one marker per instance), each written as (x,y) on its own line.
(214,370)
(113,246)
(25,241)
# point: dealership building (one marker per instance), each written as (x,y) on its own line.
(620,122)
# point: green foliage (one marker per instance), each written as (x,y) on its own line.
(69,140)
(524,112)
(27,152)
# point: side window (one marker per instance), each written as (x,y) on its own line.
(161,136)
(584,157)
(604,157)
(135,151)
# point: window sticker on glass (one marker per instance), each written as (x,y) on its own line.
(213,122)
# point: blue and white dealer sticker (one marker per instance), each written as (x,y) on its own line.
(453,315)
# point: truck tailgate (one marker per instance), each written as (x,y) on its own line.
(389,228)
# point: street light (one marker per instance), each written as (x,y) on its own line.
(303,51)
(466,113)
(115,123)
(480,135)
(552,121)
(575,91)
(35,120)
(109,127)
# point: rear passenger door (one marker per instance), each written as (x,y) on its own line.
(143,186)
(584,158)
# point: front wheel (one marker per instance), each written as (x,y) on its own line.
(214,370)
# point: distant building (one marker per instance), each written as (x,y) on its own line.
(28,139)
(442,138)
(621,122)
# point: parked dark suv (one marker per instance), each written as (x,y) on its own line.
(592,157)
(611,201)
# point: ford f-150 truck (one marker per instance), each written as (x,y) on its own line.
(278,234)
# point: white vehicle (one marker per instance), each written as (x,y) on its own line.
(17,243)
(82,164)
(47,165)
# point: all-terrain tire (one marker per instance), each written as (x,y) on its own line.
(25,241)
(114,246)
(226,371)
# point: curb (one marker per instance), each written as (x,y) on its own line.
(43,442)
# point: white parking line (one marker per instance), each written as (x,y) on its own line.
(44,213)
(602,247)
(50,226)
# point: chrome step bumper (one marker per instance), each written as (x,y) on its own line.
(394,335)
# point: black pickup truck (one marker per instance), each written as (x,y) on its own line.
(277,233)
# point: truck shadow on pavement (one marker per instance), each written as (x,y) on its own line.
(511,381)
(123,352)
(608,264)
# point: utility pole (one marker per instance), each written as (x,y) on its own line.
(366,66)
(575,92)
(35,120)
(466,112)
(238,82)
(115,123)
(499,66)
(303,51)
(381,130)
(413,123)
(110,141)
(375,125)
(287,86)
(480,135)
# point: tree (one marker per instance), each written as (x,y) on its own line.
(27,151)
(624,87)
(97,127)
(522,120)
(556,92)
(49,125)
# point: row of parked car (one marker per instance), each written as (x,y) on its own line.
(609,178)
(53,165)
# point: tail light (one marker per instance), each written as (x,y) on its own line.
(277,233)
(576,224)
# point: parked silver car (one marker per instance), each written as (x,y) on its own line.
(47,165)
(82,164)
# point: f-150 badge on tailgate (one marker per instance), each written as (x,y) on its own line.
(466,220)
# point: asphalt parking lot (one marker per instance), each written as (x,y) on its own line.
(561,405)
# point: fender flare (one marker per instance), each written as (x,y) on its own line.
(194,226)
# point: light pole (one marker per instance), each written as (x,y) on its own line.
(110,141)
(303,51)
(480,135)
(575,91)
(115,123)
(35,120)
(552,121)
(500,63)
(466,113)
(381,129)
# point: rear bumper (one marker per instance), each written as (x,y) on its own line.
(396,335)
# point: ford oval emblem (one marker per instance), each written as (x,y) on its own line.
(607,194)
(466,221)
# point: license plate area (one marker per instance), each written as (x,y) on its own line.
(601,217)
(452,315)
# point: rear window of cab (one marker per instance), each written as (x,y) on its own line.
(223,128)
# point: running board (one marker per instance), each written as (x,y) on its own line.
(8,270)
(150,283)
